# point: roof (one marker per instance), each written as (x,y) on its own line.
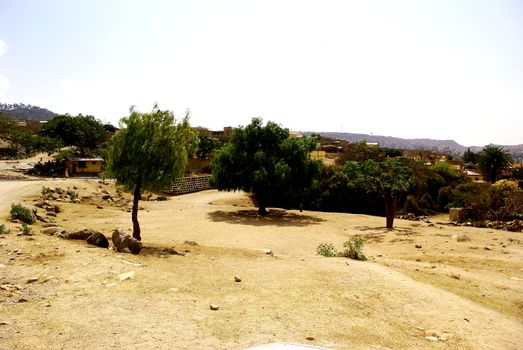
(78,159)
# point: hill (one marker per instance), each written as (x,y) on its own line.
(21,111)
(446,146)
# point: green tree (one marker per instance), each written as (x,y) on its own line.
(493,160)
(205,145)
(148,152)
(84,132)
(263,160)
(389,178)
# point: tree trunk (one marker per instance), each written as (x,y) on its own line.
(134,215)
(390,210)
(262,210)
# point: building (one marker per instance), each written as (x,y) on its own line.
(83,166)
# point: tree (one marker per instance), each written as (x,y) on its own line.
(493,160)
(263,160)
(84,132)
(205,145)
(148,152)
(389,178)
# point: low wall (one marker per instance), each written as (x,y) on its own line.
(189,184)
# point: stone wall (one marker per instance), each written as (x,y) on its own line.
(189,184)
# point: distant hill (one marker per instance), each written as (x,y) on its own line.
(22,111)
(446,146)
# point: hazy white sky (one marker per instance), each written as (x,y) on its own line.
(436,69)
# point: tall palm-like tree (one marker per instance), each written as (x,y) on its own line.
(493,160)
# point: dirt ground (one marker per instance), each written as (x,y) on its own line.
(443,295)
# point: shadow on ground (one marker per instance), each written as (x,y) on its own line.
(275,217)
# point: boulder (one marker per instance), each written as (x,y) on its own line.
(123,241)
(98,239)
(54,230)
(80,234)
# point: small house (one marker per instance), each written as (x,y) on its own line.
(83,166)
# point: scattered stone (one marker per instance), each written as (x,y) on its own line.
(431,338)
(126,275)
(237,279)
(99,207)
(4,323)
(193,243)
(309,338)
(516,279)
(31,280)
(106,197)
(51,213)
(463,238)
(50,224)
(58,208)
(80,234)
(487,248)
(98,239)
(22,300)
(418,246)
(214,307)
(268,252)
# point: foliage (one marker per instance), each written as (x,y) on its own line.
(493,160)
(3,229)
(84,132)
(72,194)
(470,158)
(354,249)
(326,249)
(22,213)
(263,160)
(148,152)
(26,230)
(205,145)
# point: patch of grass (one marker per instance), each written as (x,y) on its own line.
(72,194)
(3,229)
(22,213)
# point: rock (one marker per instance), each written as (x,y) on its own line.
(418,246)
(4,323)
(55,196)
(310,338)
(31,280)
(126,275)
(57,208)
(193,243)
(431,338)
(80,234)
(98,239)
(53,230)
(268,252)
(463,238)
(50,224)
(487,248)
(237,279)
(99,207)
(106,197)
(122,241)
(41,204)
(51,213)
(22,300)
(214,307)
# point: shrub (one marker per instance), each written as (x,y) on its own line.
(326,249)
(22,213)
(353,249)
(26,230)
(72,194)
(3,229)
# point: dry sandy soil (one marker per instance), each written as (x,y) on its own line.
(444,295)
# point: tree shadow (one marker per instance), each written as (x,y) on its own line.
(161,251)
(402,231)
(275,217)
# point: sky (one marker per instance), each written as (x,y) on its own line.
(442,69)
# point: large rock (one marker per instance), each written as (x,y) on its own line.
(55,230)
(98,239)
(123,241)
(80,234)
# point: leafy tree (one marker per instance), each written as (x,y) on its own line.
(84,132)
(263,160)
(148,152)
(205,145)
(470,157)
(493,160)
(7,126)
(389,178)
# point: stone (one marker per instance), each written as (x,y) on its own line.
(31,280)
(214,307)
(41,204)
(51,213)
(99,207)
(98,239)
(418,246)
(4,323)
(126,276)
(268,252)
(310,338)
(193,243)
(58,208)
(53,230)
(237,279)
(122,241)
(49,224)
(463,238)
(80,234)
(106,197)
(431,338)
(22,300)
(487,248)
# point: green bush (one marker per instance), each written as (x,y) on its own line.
(3,229)
(26,230)
(326,249)
(353,249)
(22,213)
(72,194)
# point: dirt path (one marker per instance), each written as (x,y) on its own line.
(459,293)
